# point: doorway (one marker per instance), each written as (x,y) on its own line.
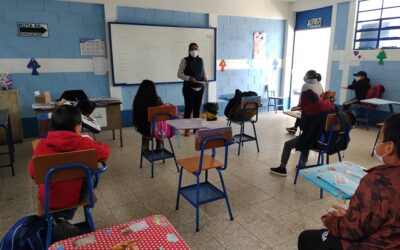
(311,51)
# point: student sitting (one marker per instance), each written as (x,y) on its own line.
(312,80)
(372,220)
(360,85)
(314,111)
(64,136)
(146,97)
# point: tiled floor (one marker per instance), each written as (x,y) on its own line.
(269,211)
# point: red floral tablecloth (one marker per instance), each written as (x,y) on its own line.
(153,232)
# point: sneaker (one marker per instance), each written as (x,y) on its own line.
(64,230)
(291,130)
(278,171)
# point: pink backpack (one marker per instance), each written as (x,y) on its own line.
(162,130)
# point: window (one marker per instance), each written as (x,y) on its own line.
(378,24)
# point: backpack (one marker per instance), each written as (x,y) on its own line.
(28,233)
(162,130)
(374,92)
(211,110)
(233,110)
(338,140)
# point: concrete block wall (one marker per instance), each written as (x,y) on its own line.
(67,23)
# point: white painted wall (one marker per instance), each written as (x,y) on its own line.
(314,4)
(254,8)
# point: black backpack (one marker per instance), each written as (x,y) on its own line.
(233,108)
(338,140)
(28,233)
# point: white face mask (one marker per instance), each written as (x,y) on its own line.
(194,53)
(358,78)
(305,79)
(380,157)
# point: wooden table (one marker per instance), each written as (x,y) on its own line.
(340,179)
(112,112)
(153,232)
(295,114)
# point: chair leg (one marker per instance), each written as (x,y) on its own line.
(268,105)
(276,106)
(367,119)
(206,176)
(179,188)
(89,219)
(226,194)
(152,158)
(327,158)
(173,154)
(339,156)
(141,155)
(321,193)
(95,180)
(10,145)
(49,231)
(376,141)
(255,136)
(297,174)
(197,203)
(240,136)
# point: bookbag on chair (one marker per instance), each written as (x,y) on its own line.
(233,108)
(26,234)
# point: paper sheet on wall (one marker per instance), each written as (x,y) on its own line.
(100,114)
(99,65)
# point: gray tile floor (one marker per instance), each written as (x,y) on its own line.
(269,211)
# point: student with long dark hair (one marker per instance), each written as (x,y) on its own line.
(191,71)
(146,97)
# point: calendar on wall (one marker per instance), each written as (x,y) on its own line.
(92,47)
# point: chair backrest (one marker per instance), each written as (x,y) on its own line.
(328,95)
(43,163)
(161,113)
(270,93)
(250,102)
(213,138)
(333,119)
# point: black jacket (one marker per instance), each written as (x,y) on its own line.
(361,87)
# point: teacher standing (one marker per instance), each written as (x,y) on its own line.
(191,71)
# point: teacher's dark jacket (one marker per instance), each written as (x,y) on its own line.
(192,67)
(312,121)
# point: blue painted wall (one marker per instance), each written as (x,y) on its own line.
(67,23)
(235,41)
(336,78)
(342,19)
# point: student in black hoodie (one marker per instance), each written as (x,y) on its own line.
(361,85)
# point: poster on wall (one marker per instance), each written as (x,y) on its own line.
(259,44)
(92,47)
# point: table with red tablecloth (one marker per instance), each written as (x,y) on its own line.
(153,232)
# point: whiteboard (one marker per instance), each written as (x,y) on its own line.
(141,52)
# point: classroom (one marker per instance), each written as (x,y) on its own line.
(154,124)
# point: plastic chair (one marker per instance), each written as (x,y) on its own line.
(205,192)
(6,125)
(156,114)
(52,168)
(332,126)
(273,100)
(248,110)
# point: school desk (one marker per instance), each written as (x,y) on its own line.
(192,123)
(294,114)
(377,101)
(6,125)
(112,112)
(339,179)
(153,232)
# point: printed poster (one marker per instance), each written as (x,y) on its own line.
(259,44)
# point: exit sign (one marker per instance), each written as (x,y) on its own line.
(314,22)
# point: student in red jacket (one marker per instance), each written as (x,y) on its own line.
(372,220)
(64,136)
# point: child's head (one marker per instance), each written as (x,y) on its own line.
(66,117)
(388,146)
(310,75)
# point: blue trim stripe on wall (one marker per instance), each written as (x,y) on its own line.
(303,17)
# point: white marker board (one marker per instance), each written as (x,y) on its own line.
(141,52)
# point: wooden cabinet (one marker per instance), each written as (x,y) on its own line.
(9,99)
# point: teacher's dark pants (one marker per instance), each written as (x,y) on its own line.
(193,101)
(318,240)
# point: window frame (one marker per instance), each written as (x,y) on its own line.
(379,29)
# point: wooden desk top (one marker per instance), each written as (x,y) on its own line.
(295,114)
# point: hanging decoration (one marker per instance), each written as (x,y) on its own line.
(34,65)
(222,65)
(381,56)
(6,81)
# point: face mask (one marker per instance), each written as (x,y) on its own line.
(358,78)
(194,53)
(305,79)
(380,157)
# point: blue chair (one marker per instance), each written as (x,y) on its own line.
(334,128)
(273,101)
(205,192)
(245,113)
(155,115)
(52,168)
(6,125)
